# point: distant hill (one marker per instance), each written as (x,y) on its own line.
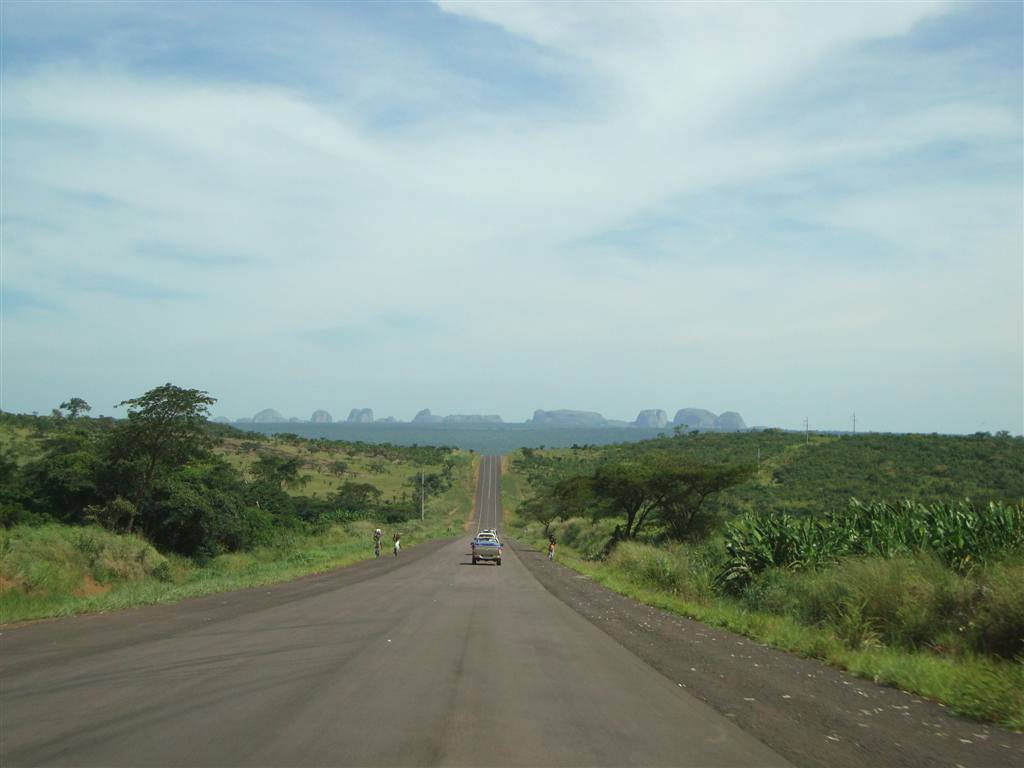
(360,416)
(651,418)
(808,475)
(269,416)
(706,421)
(568,418)
(321,417)
(426,417)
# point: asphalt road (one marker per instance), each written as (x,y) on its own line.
(427,660)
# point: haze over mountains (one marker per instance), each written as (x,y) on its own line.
(655,418)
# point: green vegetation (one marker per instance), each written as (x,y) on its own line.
(961,535)
(102,513)
(926,593)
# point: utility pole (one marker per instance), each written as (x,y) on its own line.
(855,422)
(421,494)
(807,431)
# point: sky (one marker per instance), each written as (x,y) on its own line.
(790,210)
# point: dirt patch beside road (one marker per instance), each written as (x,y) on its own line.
(809,712)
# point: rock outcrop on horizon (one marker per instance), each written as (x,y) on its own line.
(220,420)
(568,418)
(653,418)
(730,421)
(706,421)
(472,418)
(360,416)
(426,417)
(695,418)
(321,417)
(268,416)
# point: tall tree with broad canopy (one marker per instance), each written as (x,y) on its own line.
(655,489)
(75,406)
(165,429)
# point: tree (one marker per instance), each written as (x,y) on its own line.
(541,509)
(654,488)
(165,430)
(279,471)
(357,500)
(75,406)
(624,489)
(682,488)
(63,481)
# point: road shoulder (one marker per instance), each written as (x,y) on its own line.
(809,712)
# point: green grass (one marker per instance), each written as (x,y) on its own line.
(513,492)
(59,570)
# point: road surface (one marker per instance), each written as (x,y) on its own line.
(427,660)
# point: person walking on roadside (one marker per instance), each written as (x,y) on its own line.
(377,536)
(398,543)
(551,548)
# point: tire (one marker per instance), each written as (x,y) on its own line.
(499,561)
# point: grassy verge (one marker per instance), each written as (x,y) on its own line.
(513,491)
(59,570)
(979,686)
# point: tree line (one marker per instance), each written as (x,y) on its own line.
(155,472)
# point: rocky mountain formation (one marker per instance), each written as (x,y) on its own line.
(688,419)
(426,417)
(706,421)
(568,418)
(268,416)
(654,418)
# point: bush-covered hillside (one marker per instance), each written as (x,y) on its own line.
(200,489)
(163,503)
(812,476)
